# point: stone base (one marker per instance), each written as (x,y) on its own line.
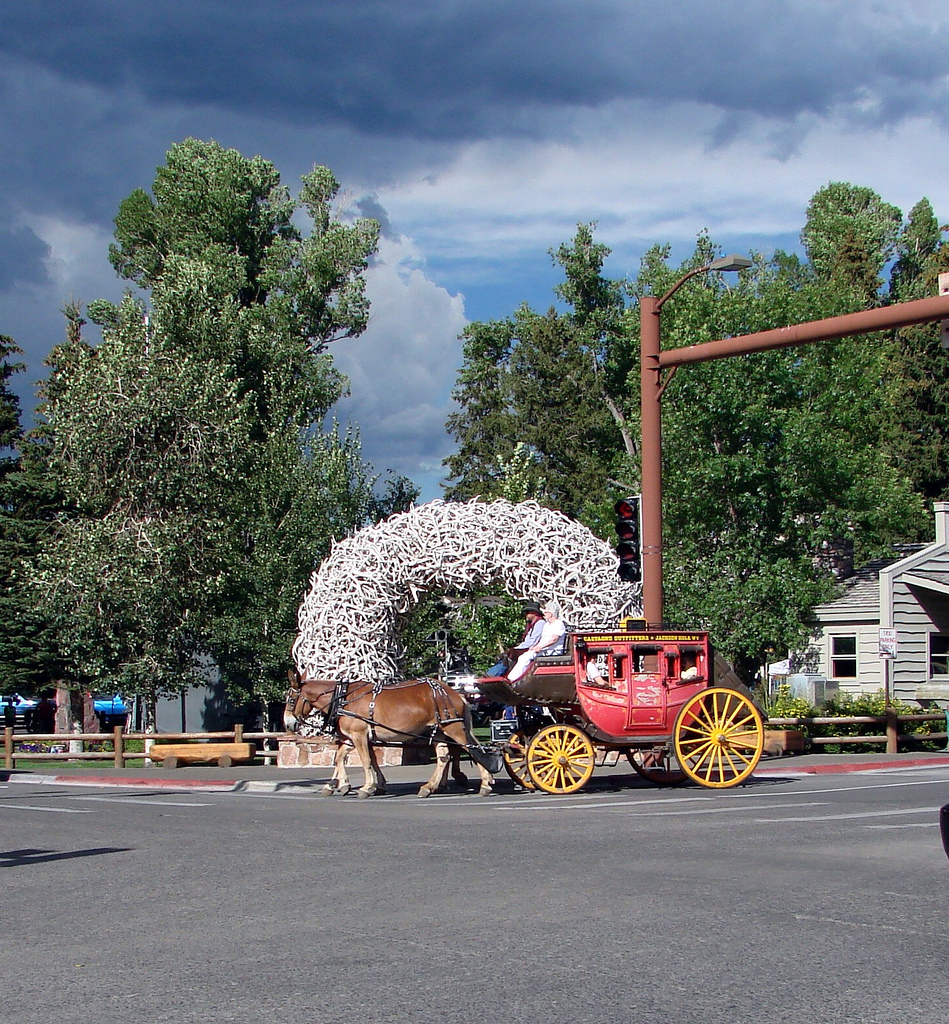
(319,753)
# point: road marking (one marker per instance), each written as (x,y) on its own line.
(773,794)
(149,802)
(674,813)
(911,824)
(591,804)
(856,814)
(52,810)
(874,925)
(888,785)
(270,795)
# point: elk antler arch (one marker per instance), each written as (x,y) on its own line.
(361,596)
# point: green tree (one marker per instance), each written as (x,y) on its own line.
(10,431)
(202,488)
(30,652)
(10,541)
(849,236)
(918,441)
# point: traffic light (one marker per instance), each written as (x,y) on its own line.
(627,530)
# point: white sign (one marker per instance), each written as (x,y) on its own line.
(888,643)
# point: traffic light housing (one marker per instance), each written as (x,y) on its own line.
(628,547)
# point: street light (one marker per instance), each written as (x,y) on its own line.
(651,388)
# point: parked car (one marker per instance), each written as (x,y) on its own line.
(17,711)
(111,711)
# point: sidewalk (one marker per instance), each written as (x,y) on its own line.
(268,779)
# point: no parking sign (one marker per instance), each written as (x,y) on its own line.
(888,643)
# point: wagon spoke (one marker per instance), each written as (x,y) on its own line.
(727,754)
(514,756)
(729,720)
(739,726)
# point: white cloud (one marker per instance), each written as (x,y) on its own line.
(653,174)
(78,254)
(403,367)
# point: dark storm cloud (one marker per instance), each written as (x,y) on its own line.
(369,206)
(22,257)
(451,69)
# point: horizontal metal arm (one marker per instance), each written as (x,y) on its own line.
(903,314)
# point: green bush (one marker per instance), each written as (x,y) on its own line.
(782,704)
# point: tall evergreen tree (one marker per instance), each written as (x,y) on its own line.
(546,392)
(10,541)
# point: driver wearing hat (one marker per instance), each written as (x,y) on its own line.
(535,626)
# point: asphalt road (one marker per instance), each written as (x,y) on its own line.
(823,898)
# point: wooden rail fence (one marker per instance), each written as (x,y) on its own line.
(119,755)
(891,734)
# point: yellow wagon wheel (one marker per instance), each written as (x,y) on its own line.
(515,760)
(560,759)
(658,765)
(718,737)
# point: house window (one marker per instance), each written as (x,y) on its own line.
(843,657)
(938,655)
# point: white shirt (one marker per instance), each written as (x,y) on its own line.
(552,633)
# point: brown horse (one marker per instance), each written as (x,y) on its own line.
(404,713)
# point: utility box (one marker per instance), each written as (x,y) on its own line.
(813,688)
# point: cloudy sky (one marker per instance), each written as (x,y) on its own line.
(479,132)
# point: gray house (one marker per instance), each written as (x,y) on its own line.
(909,594)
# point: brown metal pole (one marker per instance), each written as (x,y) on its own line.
(651,418)
(892,731)
(903,314)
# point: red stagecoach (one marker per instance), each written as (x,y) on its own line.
(649,693)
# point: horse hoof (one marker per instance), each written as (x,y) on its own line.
(364,794)
(327,790)
(343,790)
(485,791)
(424,792)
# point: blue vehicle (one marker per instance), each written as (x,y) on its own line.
(17,711)
(111,711)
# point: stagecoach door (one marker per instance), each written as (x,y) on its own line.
(648,687)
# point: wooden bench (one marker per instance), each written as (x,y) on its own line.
(223,754)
